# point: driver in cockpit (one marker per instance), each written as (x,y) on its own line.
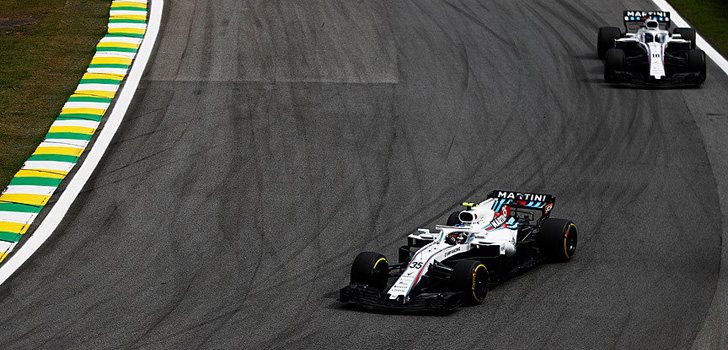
(650,32)
(457,237)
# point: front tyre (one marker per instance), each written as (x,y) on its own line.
(615,61)
(557,238)
(472,278)
(606,38)
(370,268)
(697,64)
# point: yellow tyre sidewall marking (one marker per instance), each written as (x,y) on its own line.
(566,237)
(472,287)
(377,263)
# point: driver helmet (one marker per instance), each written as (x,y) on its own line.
(457,237)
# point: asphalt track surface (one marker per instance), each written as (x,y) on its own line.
(271,141)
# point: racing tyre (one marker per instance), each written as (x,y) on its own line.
(687,34)
(615,61)
(605,39)
(697,63)
(454,219)
(558,238)
(472,278)
(370,268)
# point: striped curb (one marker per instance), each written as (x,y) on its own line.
(35,183)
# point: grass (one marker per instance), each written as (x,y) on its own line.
(45,47)
(710,17)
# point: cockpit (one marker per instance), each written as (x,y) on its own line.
(456,237)
(651,32)
(651,37)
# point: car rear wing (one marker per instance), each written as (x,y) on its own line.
(534,201)
(633,20)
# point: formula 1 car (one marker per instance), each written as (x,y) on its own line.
(481,246)
(648,54)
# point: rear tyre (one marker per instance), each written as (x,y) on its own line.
(370,268)
(454,219)
(615,61)
(687,34)
(472,278)
(557,238)
(606,38)
(697,63)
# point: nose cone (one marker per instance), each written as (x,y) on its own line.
(656,59)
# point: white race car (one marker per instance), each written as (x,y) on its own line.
(647,53)
(456,264)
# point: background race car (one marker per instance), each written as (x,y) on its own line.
(648,53)
(457,264)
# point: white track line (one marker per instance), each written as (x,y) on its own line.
(681,22)
(66,199)
(711,334)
